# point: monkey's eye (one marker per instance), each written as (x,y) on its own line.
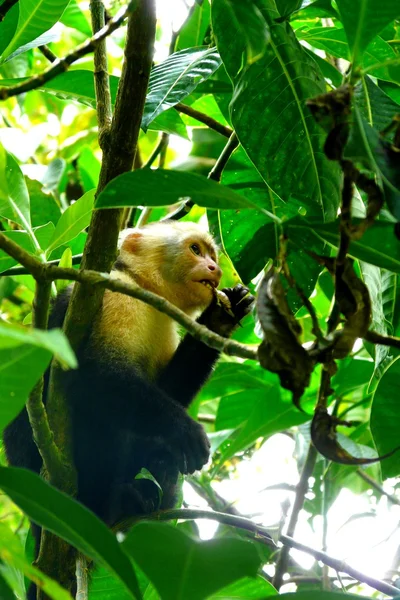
(195,248)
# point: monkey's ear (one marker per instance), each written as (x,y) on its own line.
(132,241)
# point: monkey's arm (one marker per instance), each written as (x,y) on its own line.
(193,361)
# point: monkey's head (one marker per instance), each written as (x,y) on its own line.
(177,260)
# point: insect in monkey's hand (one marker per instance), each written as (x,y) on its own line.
(228,308)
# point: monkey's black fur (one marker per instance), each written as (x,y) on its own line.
(122,423)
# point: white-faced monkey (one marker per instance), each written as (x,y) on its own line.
(135,380)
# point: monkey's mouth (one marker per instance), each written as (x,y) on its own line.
(211,285)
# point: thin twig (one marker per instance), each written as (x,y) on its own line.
(216,172)
(42,434)
(205,119)
(14,271)
(162,143)
(385,340)
(45,50)
(5,7)
(63,64)
(391,498)
(301,490)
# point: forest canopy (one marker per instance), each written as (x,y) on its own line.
(275,124)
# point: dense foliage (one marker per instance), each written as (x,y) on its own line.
(292,109)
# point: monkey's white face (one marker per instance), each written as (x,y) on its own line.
(177,261)
(194,274)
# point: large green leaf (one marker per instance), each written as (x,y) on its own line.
(12,553)
(35,17)
(270,117)
(270,411)
(65,517)
(20,369)
(333,41)
(53,340)
(192,33)
(376,107)
(8,26)
(74,17)
(382,290)
(385,415)
(175,78)
(72,221)
(181,567)
(367,146)
(249,588)
(163,188)
(26,351)
(14,197)
(364,19)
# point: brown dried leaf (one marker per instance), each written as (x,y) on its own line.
(323,435)
(281,351)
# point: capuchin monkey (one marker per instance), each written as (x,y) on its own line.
(129,397)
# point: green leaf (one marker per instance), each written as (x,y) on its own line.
(363,20)
(163,188)
(285,145)
(375,106)
(385,415)
(68,519)
(75,18)
(6,592)
(43,206)
(8,26)
(175,78)
(14,197)
(53,340)
(170,121)
(286,7)
(35,17)
(15,389)
(271,411)
(246,589)
(26,351)
(333,41)
(367,146)
(45,38)
(181,567)
(65,262)
(320,596)
(382,290)
(192,33)
(72,221)
(12,553)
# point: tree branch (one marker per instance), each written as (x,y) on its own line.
(301,490)
(101,77)
(216,172)
(49,272)
(63,64)
(205,119)
(385,340)
(36,411)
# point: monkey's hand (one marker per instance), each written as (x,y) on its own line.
(225,319)
(188,443)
